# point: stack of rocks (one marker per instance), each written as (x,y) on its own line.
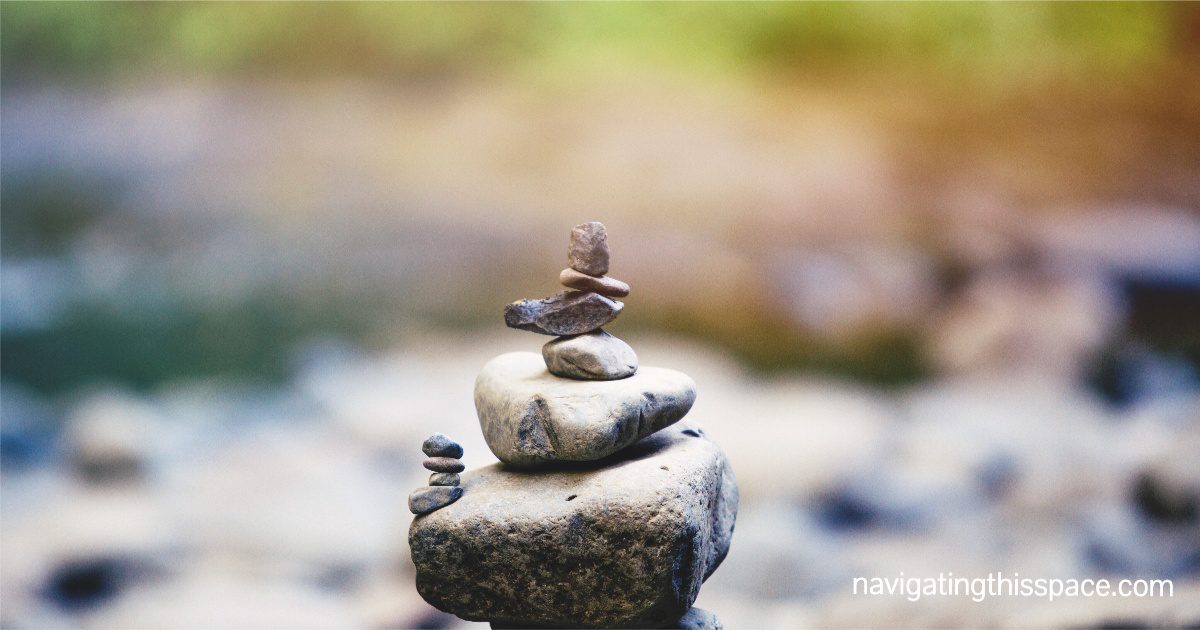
(582,349)
(443,488)
(601,512)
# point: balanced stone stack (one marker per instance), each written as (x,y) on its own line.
(602,512)
(583,350)
(443,488)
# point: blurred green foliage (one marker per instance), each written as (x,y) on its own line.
(977,43)
(988,41)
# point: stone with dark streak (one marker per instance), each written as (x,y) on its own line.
(565,313)
(625,542)
(530,417)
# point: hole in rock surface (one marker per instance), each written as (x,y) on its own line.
(691,432)
(664,468)
(572,497)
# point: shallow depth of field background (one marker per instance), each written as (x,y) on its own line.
(935,268)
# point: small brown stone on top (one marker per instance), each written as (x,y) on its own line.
(588,250)
(603,285)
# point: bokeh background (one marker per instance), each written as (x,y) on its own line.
(935,268)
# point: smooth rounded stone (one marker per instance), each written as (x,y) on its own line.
(426,500)
(440,445)
(588,251)
(444,479)
(603,285)
(697,619)
(594,356)
(530,417)
(565,313)
(444,464)
(625,544)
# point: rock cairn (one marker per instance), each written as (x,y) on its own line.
(582,349)
(443,489)
(603,512)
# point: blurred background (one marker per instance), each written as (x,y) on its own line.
(935,268)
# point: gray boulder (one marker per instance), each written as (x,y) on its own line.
(596,356)
(624,542)
(530,417)
(565,313)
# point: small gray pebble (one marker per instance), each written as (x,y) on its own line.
(440,445)
(596,356)
(443,479)
(426,500)
(444,465)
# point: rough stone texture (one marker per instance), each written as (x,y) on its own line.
(440,445)
(444,464)
(565,313)
(603,285)
(426,500)
(444,479)
(588,250)
(625,542)
(530,417)
(596,356)
(697,619)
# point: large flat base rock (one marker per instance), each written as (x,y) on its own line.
(624,542)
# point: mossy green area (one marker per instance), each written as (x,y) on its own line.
(988,42)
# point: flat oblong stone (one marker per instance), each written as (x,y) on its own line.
(595,356)
(426,500)
(603,285)
(565,313)
(530,417)
(440,445)
(588,250)
(623,545)
(444,464)
(444,479)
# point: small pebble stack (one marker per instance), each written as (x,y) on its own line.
(443,488)
(582,349)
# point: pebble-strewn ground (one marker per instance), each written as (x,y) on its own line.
(286,507)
